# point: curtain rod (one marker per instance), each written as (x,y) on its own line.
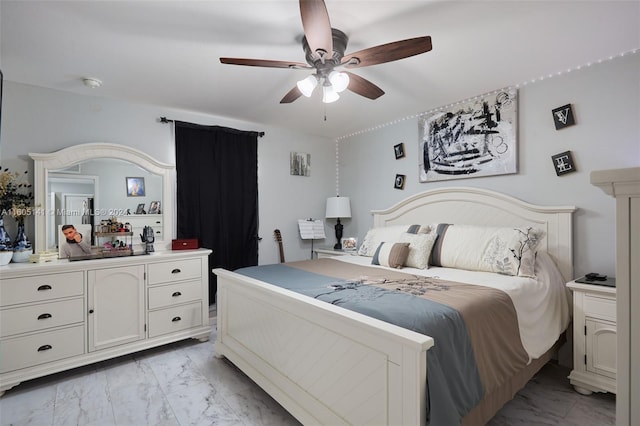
(166,120)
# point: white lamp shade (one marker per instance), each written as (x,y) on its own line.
(307,85)
(338,207)
(329,94)
(339,81)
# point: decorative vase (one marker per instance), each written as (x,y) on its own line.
(21,246)
(5,239)
(5,257)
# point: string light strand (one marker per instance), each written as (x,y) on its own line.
(445,107)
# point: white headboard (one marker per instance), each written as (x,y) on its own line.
(482,207)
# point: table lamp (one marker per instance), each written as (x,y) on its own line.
(338,207)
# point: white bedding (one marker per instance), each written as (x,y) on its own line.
(541,303)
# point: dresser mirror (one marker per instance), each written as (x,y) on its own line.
(92,183)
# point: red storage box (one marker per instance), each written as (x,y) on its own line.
(185,244)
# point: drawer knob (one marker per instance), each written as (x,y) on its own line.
(44,316)
(176,294)
(44,348)
(90,311)
(176,271)
(176,319)
(44,287)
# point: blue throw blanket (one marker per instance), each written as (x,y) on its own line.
(454,385)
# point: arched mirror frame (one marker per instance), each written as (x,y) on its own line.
(43,163)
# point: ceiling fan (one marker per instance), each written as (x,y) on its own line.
(324,49)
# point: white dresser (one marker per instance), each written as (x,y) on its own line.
(59,315)
(594,338)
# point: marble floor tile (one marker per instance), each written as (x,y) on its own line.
(183,383)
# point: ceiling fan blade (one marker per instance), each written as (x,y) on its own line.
(363,87)
(264,63)
(388,52)
(317,27)
(291,96)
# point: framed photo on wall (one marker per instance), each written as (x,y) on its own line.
(135,187)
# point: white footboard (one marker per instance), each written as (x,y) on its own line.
(323,363)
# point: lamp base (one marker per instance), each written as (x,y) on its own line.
(339,229)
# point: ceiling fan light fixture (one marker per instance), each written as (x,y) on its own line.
(329,94)
(307,85)
(339,81)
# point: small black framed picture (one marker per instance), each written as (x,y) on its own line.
(140,209)
(399,182)
(563,163)
(563,116)
(135,187)
(399,150)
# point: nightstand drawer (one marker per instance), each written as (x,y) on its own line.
(599,307)
(21,352)
(40,317)
(42,287)
(175,319)
(173,294)
(166,272)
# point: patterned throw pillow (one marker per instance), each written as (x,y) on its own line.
(393,255)
(419,249)
(509,251)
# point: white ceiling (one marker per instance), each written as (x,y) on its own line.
(166,52)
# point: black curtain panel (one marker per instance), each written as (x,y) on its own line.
(217,193)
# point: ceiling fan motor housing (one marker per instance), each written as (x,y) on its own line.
(340,41)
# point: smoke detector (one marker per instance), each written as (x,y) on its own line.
(92,83)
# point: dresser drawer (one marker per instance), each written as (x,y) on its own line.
(22,352)
(173,294)
(40,287)
(169,271)
(175,319)
(40,317)
(599,307)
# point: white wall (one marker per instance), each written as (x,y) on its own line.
(41,120)
(606,104)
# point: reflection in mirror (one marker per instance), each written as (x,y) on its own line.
(87,184)
(96,190)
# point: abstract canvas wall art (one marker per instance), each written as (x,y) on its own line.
(473,138)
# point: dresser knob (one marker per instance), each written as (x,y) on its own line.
(176,271)
(176,319)
(176,294)
(44,316)
(44,287)
(44,348)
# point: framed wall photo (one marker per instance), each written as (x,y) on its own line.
(154,207)
(399,150)
(399,182)
(300,164)
(140,209)
(135,187)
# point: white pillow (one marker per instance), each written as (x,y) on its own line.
(509,251)
(419,249)
(375,236)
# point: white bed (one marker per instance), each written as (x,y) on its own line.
(295,347)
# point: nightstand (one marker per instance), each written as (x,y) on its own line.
(330,252)
(594,338)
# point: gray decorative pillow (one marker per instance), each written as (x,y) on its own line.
(393,255)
